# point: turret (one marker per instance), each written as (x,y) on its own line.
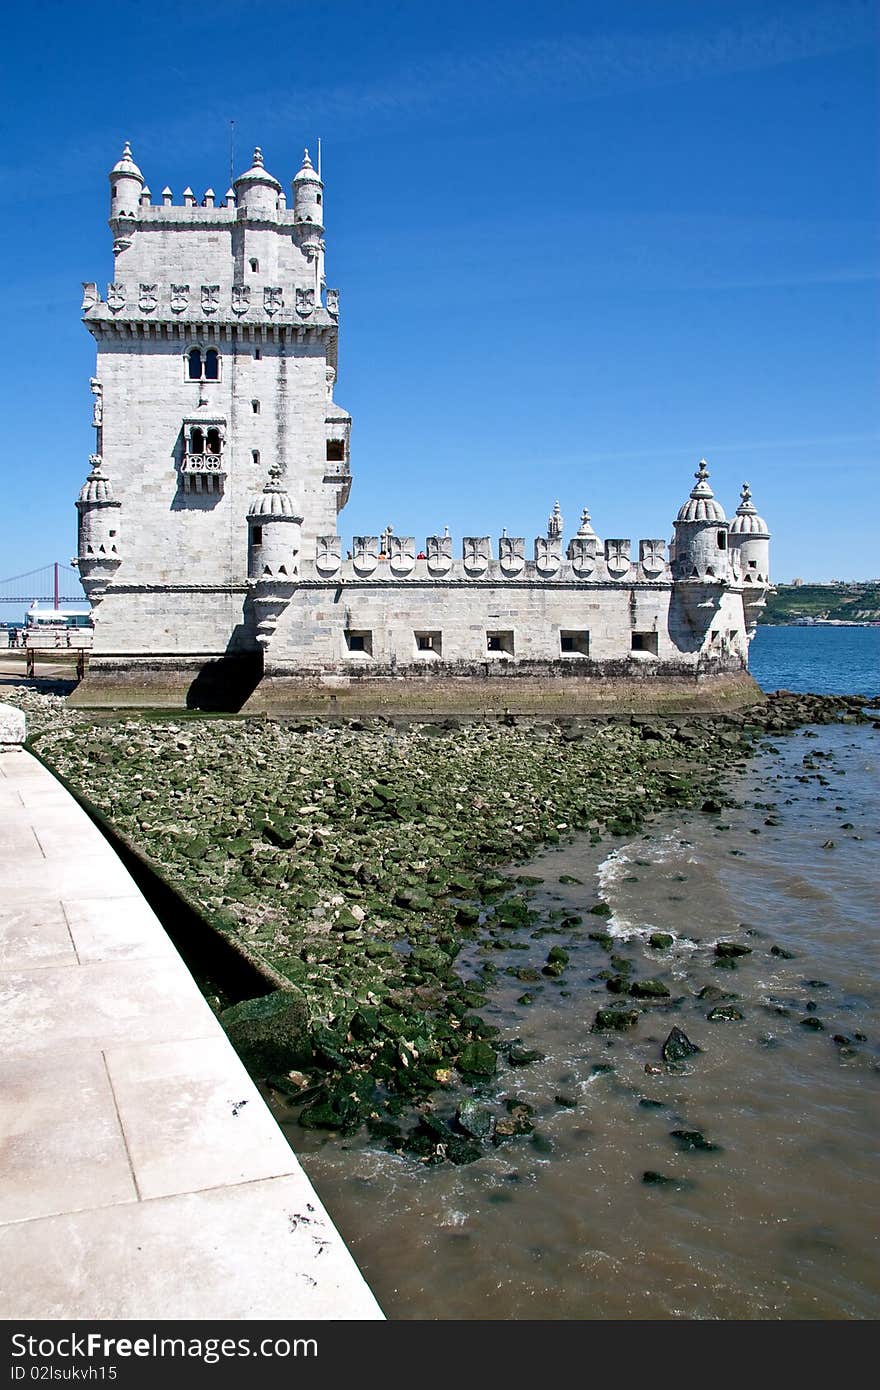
(701,533)
(126,186)
(274,522)
(308,194)
(256,191)
(98,556)
(750,556)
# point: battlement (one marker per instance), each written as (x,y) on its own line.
(389,558)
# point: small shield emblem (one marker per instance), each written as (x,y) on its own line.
(179,298)
(210,299)
(328,556)
(148,298)
(273,299)
(241,299)
(115,296)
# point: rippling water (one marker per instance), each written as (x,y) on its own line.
(827,660)
(780,1222)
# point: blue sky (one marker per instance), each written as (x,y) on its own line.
(579,245)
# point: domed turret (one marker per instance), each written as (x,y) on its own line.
(274,521)
(98,555)
(750,556)
(701,535)
(126,185)
(308,194)
(256,191)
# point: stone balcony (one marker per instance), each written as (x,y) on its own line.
(202,472)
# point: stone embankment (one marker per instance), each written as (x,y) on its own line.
(357,862)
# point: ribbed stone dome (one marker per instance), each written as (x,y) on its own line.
(257,174)
(97,487)
(274,500)
(701,505)
(126,167)
(746,522)
(307,173)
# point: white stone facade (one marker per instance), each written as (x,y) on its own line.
(208,525)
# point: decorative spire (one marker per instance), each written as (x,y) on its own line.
(585,528)
(702,488)
(746,504)
(701,505)
(258,157)
(126,151)
(554,525)
(274,483)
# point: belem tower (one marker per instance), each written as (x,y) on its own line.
(209,541)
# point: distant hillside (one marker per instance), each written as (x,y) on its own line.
(848,602)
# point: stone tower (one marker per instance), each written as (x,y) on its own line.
(216,357)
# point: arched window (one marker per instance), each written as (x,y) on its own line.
(196,441)
(213,442)
(255,264)
(202,365)
(255,407)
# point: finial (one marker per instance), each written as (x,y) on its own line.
(274,476)
(307,163)
(554,525)
(126,151)
(258,157)
(746,493)
(702,472)
(585,527)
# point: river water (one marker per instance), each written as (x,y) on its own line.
(780,1220)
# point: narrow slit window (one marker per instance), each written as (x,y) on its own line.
(255,407)
(258,354)
(255,264)
(722,540)
(255,455)
(257,534)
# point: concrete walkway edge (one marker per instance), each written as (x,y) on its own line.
(142,1175)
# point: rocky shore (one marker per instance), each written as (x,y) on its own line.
(363,862)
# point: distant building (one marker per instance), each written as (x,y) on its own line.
(208,522)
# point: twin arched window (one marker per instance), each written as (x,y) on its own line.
(205,441)
(203,366)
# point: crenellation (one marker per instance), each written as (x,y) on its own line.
(230,461)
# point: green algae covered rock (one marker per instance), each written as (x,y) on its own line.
(271,1033)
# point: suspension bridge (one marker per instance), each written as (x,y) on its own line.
(55,583)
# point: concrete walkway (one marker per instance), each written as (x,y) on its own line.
(141,1173)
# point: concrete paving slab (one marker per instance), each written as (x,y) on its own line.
(98,1004)
(50,1165)
(261,1250)
(34,935)
(123,928)
(193,1118)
